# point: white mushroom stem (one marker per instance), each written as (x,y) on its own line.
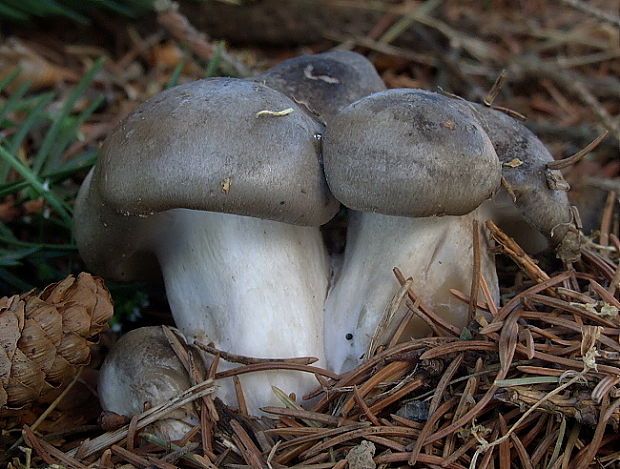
(251,287)
(437,252)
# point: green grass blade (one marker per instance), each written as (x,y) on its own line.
(69,133)
(36,184)
(34,116)
(9,78)
(13,101)
(12,13)
(216,60)
(41,158)
(79,163)
(174,78)
(25,244)
(14,257)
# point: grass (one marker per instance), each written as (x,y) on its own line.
(24,11)
(38,247)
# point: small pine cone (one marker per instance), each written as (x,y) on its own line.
(45,337)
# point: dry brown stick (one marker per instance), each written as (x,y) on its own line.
(460,452)
(508,341)
(573,159)
(131,432)
(395,369)
(467,299)
(386,442)
(604,294)
(128,456)
(250,452)
(181,29)
(495,89)
(244,360)
(573,309)
(359,399)
(475,278)
(434,417)
(517,254)
(436,319)
(274,366)
(522,453)
(47,452)
(593,11)
(469,391)
(147,461)
(360,433)
(605,184)
(459,346)
(429,459)
(352,376)
(434,406)
(389,400)
(308,415)
(504,447)
(322,434)
(528,293)
(243,408)
(607,217)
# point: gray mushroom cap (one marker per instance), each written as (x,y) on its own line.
(204,146)
(142,368)
(545,208)
(409,153)
(324,83)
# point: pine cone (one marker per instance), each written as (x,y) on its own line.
(45,337)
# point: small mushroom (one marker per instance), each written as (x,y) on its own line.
(324,83)
(219,183)
(142,371)
(414,166)
(540,199)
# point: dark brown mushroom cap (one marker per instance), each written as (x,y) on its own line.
(204,146)
(409,153)
(525,159)
(324,83)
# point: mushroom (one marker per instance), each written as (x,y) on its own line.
(324,83)
(219,183)
(414,166)
(540,199)
(142,371)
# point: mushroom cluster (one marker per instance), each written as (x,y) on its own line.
(221,184)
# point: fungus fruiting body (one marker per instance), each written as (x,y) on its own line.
(227,200)
(538,195)
(324,83)
(142,371)
(414,167)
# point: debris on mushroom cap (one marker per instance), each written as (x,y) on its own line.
(143,369)
(410,153)
(175,150)
(324,83)
(543,207)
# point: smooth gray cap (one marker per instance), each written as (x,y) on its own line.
(324,83)
(411,153)
(143,368)
(202,146)
(546,209)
